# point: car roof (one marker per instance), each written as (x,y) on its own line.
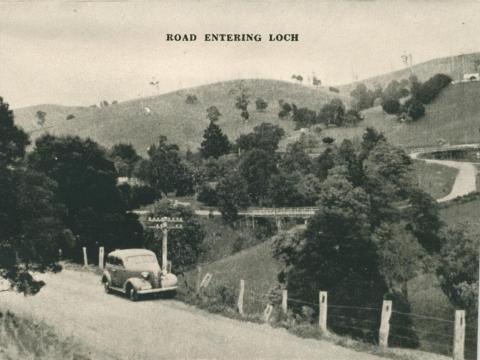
(130,252)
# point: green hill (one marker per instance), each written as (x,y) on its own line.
(454,116)
(170,115)
(455,66)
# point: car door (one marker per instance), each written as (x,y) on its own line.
(116,271)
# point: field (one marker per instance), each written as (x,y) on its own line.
(436,180)
(453,116)
(170,115)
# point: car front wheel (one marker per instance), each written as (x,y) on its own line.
(133,295)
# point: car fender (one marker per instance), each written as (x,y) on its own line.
(106,276)
(137,283)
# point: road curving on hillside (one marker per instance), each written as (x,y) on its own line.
(465,182)
(75,304)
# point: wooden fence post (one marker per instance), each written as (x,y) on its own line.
(85,259)
(240,297)
(199,278)
(101,253)
(285,301)
(322,314)
(459,335)
(385,323)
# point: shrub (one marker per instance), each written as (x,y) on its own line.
(391,106)
(430,89)
(261,104)
(207,195)
(333,89)
(70,116)
(414,109)
(191,99)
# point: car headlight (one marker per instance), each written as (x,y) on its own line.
(145,275)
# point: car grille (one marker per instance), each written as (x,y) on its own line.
(155,281)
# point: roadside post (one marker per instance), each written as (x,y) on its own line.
(385,323)
(459,334)
(165,224)
(85,259)
(101,253)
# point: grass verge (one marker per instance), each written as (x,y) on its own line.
(24,338)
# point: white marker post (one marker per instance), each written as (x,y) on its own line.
(240,297)
(459,335)
(385,323)
(285,301)
(322,315)
(101,255)
(85,259)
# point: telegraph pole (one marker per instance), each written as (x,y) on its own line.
(164,224)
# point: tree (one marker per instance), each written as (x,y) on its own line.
(213,114)
(256,167)
(333,113)
(296,159)
(184,245)
(261,104)
(215,143)
(316,82)
(415,109)
(265,136)
(31,227)
(165,170)
(87,185)
(41,117)
(458,268)
(13,141)
(241,103)
(191,99)
(352,117)
(232,195)
(363,96)
(70,117)
(391,106)
(285,109)
(125,158)
(304,117)
(430,89)
(282,191)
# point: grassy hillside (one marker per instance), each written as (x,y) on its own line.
(170,115)
(455,66)
(454,116)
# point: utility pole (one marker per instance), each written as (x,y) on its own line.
(165,224)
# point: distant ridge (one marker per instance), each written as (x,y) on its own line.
(454,66)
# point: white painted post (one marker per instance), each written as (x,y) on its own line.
(385,323)
(164,247)
(459,335)
(101,262)
(199,278)
(85,259)
(322,315)
(206,280)
(284,301)
(268,312)
(240,297)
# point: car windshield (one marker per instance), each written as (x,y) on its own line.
(140,259)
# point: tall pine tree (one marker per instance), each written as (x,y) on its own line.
(215,143)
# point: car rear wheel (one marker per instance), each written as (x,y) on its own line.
(133,295)
(106,286)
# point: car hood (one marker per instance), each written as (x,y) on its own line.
(155,268)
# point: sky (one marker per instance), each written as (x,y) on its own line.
(79,53)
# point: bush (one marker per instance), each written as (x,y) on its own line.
(191,99)
(430,89)
(333,89)
(391,106)
(207,195)
(70,116)
(261,104)
(414,109)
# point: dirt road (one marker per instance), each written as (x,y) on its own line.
(465,182)
(75,304)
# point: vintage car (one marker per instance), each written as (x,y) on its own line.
(135,272)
